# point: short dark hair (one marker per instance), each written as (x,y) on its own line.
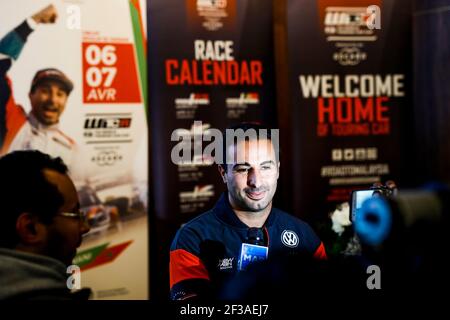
(24,188)
(256,126)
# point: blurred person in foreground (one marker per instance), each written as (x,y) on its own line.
(41,228)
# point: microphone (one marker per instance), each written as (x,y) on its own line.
(253,249)
(255,236)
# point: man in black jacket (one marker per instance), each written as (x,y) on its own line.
(206,252)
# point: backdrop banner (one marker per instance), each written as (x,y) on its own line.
(210,66)
(349,67)
(102,132)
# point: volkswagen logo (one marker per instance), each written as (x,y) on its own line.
(289,238)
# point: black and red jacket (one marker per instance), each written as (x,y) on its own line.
(205,251)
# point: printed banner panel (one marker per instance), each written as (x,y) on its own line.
(100,130)
(350,78)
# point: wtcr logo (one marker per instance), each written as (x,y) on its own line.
(373,20)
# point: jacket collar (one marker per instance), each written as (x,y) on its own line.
(224,212)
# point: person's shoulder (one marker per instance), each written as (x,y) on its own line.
(288,221)
(192,231)
(284,217)
(201,220)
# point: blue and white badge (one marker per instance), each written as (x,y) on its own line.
(252,253)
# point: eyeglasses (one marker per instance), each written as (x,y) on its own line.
(75,215)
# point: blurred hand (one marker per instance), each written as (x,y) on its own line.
(46,15)
(390,184)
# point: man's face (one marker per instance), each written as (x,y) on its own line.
(64,234)
(48,101)
(252,178)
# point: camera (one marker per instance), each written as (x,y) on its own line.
(378,215)
(406,235)
(359,196)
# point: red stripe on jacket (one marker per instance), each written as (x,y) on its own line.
(184,265)
(320,252)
